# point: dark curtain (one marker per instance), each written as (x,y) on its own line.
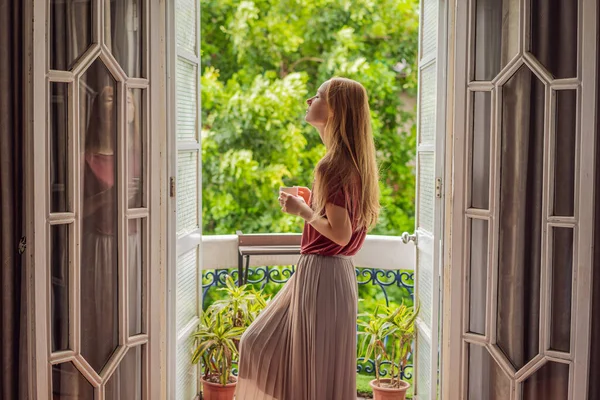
(13,312)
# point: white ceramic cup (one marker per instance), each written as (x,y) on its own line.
(291,190)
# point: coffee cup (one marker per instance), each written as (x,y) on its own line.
(289,189)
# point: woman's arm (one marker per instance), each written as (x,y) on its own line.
(97,201)
(336,227)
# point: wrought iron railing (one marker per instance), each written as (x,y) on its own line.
(380,278)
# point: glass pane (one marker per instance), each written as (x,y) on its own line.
(426,170)
(187,188)
(429,28)
(186,17)
(124,39)
(187,288)
(521,220)
(70,31)
(478,275)
(554,36)
(59,267)
(480,150)
(187,99)
(562,275)
(427,104)
(425,375)
(126,381)
(59,147)
(136,142)
(99,280)
(137,275)
(486,378)
(551,382)
(496,36)
(186,372)
(564,157)
(68,383)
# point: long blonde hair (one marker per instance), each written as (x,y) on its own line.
(349,163)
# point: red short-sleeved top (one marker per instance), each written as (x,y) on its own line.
(313,242)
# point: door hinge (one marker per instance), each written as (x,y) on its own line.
(438,188)
(22,245)
(172,186)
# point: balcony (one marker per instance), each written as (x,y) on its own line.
(384,271)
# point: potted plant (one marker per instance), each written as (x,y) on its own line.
(218,336)
(396,324)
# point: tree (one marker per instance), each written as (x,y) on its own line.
(260,61)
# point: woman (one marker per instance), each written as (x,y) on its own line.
(99,249)
(303,345)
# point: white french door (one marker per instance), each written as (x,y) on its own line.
(94,198)
(522,214)
(429,197)
(185,205)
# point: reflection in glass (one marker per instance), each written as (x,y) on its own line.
(564,154)
(68,383)
(124,39)
(486,379)
(554,36)
(135,145)
(478,275)
(480,150)
(562,275)
(59,267)
(126,382)
(520,221)
(137,275)
(59,147)
(551,382)
(99,280)
(70,32)
(496,36)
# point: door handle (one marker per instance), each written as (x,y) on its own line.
(406,237)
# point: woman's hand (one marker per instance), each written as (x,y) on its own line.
(304,192)
(291,204)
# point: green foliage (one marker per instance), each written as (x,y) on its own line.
(221,328)
(362,385)
(371,296)
(260,60)
(396,324)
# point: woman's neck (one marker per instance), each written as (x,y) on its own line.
(105,143)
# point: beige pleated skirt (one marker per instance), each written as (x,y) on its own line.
(303,345)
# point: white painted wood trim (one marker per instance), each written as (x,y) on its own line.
(458,71)
(171,216)
(379,252)
(156,278)
(37,209)
(582,272)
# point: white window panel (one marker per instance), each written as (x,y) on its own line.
(187,192)
(187,99)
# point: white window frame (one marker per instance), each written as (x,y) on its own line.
(37,253)
(177,246)
(454,379)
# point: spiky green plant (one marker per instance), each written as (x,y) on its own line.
(221,328)
(398,325)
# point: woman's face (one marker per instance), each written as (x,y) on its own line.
(107,104)
(318,109)
(130,107)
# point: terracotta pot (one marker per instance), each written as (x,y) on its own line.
(383,393)
(216,391)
